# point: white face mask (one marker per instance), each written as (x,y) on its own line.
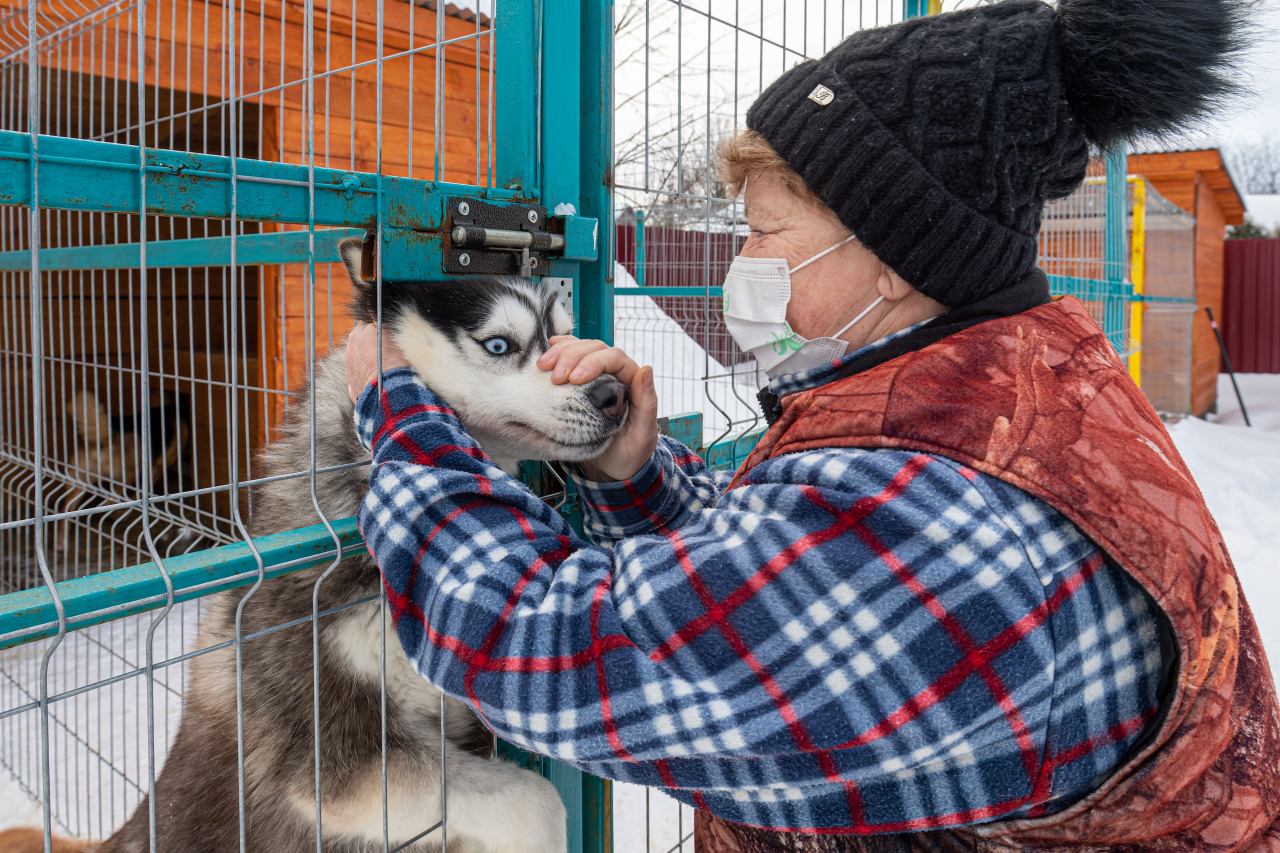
(756,293)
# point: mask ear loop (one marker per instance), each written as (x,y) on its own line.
(865,312)
(821,254)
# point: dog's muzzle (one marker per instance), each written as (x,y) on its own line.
(611,399)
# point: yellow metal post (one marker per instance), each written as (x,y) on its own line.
(1137,270)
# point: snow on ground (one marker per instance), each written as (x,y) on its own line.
(645,820)
(97,738)
(646,333)
(16,808)
(1261,393)
(1238,470)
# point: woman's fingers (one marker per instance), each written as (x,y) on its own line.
(566,356)
(549,359)
(644,402)
(557,344)
(582,361)
(603,360)
(635,443)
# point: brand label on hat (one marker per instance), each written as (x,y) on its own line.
(822,96)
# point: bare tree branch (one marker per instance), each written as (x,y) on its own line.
(1256,165)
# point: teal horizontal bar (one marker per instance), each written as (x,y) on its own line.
(30,614)
(283,248)
(731,452)
(685,428)
(667,291)
(1183,300)
(82,174)
(1089,288)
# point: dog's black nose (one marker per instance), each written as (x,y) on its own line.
(611,399)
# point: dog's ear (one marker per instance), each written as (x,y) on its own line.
(364,294)
(352,252)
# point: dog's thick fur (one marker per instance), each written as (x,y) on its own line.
(514,411)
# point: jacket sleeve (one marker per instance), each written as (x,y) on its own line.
(672,487)
(716,635)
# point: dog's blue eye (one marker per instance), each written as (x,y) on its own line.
(497,346)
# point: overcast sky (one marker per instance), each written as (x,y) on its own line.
(1259,113)
(1254,116)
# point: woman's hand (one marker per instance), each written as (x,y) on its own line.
(579,361)
(362,357)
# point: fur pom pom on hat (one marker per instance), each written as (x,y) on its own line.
(938,140)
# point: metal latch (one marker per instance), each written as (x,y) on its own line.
(510,239)
(480,237)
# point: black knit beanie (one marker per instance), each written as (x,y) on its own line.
(938,140)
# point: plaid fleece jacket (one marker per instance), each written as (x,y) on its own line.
(852,641)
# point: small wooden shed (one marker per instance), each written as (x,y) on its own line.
(380,91)
(1199,183)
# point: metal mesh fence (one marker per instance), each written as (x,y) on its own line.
(1163,237)
(1073,253)
(151,356)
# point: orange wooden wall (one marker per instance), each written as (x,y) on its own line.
(185,48)
(186,42)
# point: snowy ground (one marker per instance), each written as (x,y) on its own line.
(726,398)
(1238,469)
(97,738)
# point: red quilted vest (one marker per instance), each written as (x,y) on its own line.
(1041,401)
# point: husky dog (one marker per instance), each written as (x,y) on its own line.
(109,449)
(476,342)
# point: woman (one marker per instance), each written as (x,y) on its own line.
(964,593)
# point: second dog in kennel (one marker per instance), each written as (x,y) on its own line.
(515,412)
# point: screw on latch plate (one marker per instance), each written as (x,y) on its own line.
(464,208)
(464,259)
(533,216)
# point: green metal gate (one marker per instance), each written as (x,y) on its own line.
(100,198)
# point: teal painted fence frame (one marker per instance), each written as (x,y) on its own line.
(556,149)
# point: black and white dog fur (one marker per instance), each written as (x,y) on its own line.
(476,342)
